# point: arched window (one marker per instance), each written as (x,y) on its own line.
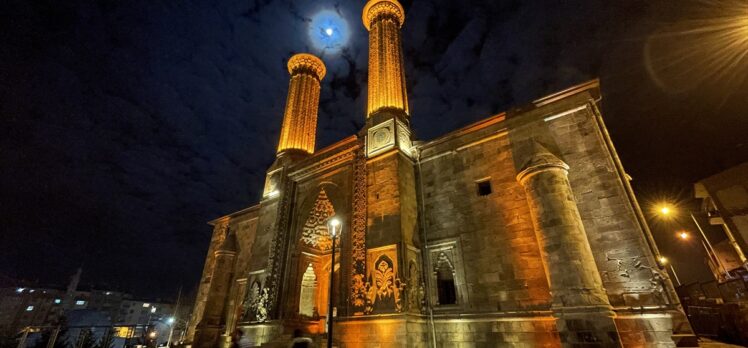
(308,287)
(445,281)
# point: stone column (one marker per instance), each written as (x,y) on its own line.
(580,304)
(210,327)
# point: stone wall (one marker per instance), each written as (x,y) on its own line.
(503,270)
(217,238)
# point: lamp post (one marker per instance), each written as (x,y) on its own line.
(666,210)
(664,261)
(334,227)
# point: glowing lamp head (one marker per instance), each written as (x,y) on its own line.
(334,226)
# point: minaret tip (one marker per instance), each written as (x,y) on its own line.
(376,8)
(307,61)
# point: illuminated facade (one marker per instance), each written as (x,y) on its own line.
(518,230)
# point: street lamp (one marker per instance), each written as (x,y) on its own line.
(664,261)
(665,210)
(683,235)
(335,227)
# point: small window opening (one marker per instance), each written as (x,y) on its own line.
(484,188)
(445,284)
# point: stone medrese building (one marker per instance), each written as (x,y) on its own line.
(518,230)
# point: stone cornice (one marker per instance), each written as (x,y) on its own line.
(319,164)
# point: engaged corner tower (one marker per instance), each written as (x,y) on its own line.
(298,131)
(383,19)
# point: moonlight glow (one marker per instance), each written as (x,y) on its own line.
(328,31)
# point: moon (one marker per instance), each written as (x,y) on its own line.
(328,31)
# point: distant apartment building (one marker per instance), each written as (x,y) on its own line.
(142,312)
(22,307)
(725,204)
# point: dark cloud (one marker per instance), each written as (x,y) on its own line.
(127,125)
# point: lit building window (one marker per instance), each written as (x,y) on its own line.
(29,308)
(80,302)
(58,301)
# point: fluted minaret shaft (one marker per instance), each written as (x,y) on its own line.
(302,104)
(383,19)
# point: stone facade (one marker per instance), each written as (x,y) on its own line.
(520,230)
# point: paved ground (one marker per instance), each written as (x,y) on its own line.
(707,343)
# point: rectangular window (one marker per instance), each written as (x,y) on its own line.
(484,187)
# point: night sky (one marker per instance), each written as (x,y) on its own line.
(126,125)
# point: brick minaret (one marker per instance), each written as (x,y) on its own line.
(300,118)
(383,19)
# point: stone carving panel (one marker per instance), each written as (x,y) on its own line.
(381,138)
(403,138)
(383,286)
(308,290)
(358,235)
(276,257)
(255,305)
(315,233)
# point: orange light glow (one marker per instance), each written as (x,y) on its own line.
(383,19)
(299,128)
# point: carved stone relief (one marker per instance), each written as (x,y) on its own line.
(414,289)
(255,305)
(380,138)
(315,233)
(358,234)
(445,262)
(383,287)
(308,289)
